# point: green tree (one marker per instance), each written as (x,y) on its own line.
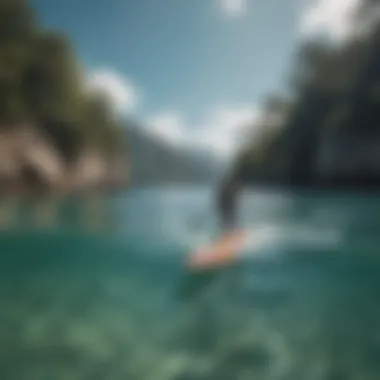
(41,83)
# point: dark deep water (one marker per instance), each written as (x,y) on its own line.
(302,303)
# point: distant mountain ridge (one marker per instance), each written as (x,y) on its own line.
(154,161)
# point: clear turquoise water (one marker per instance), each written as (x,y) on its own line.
(301,303)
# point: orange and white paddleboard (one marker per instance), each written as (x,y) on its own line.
(220,253)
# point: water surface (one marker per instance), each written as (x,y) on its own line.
(301,303)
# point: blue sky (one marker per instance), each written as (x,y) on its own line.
(192,70)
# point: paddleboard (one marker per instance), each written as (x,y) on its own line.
(220,253)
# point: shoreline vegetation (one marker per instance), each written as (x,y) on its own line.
(56,136)
(323,133)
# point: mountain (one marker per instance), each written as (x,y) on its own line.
(154,161)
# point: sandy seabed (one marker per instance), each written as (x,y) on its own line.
(71,325)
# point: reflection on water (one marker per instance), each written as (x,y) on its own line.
(56,213)
(121,306)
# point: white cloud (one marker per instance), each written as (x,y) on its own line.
(168,126)
(121,92)
(223,129)
(233,8)
(332,18)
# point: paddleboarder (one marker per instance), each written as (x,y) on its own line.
(227,196)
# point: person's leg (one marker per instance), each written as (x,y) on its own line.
(227,221)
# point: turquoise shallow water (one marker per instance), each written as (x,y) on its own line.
(302,303)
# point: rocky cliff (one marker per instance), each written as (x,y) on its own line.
(330,134)
(30,160)
(54,133)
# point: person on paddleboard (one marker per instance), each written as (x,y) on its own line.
(227,203)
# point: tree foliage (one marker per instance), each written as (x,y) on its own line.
(41,83)
(336,88)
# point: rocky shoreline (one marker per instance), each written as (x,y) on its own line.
(31,162)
